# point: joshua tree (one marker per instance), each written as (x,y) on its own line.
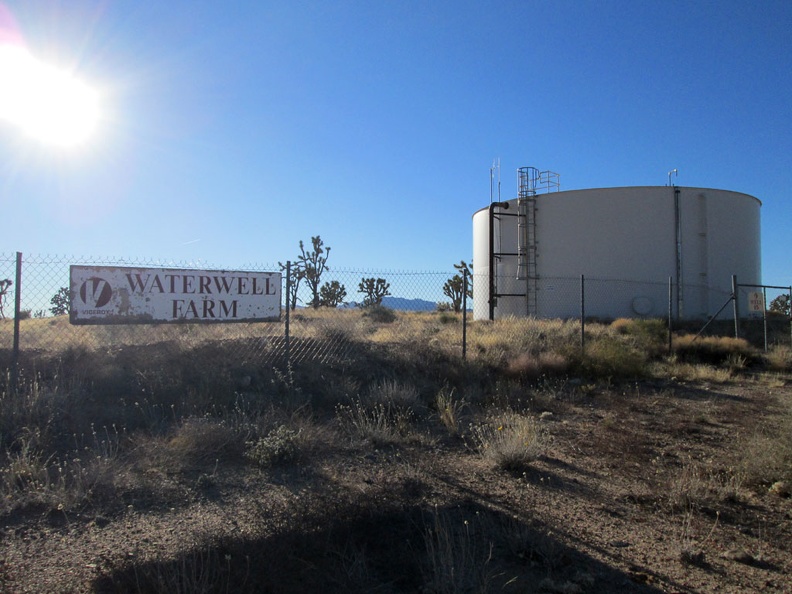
(60,302)
(4,286)
(454,286)
(313,265)
(296,275)
(332,294)
(374,289)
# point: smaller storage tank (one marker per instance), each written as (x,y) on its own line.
(529,252)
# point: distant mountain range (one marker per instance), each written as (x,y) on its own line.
(402,304)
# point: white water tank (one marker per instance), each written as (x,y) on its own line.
(627,242)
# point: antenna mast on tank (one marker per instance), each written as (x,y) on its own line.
(495,172)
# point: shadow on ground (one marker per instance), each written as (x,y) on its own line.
(461,548)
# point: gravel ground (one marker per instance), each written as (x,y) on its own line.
(638,490)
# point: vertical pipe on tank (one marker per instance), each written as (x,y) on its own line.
(670,313)
(492,299)
(736,307)
(582,315)
(678,241)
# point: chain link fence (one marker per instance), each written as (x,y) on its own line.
(414,311)
(769,318)
(303,333)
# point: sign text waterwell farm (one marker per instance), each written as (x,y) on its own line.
(121,295)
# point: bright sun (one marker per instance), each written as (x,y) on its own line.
(46,103)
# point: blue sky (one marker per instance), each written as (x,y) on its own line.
(232,130)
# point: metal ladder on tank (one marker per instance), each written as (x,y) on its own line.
(528,177)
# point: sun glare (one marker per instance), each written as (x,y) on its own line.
(47,104)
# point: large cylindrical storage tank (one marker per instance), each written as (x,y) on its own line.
(626,242)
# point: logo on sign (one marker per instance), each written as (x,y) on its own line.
(96,292)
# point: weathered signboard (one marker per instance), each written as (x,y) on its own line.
(756,301)
(121,295)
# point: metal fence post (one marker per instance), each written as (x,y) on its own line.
(17,316)
(288,309)
(464,312)
(764,315)
(582,316)
(789,303)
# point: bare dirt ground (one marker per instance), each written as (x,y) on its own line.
(635,492)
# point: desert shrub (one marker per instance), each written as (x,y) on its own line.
(395,395)
(779,358)
(509,440)
(610,357)
(693,372)
(530,366)
(714,350)
(650,335)
(25,470)
(379,314)
(30,475)
(198,440)
(621,325)
(378,422)
(279,446)
(447,318)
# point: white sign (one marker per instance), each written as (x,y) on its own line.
(756,301)
(118,295)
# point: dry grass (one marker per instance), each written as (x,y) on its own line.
(379,423)
(711,349)
(188,410)
(457,559)
(505,339)
(534,366)
(450,410)
(610,357)
(198,440)
(31,475)
(697,485)
(509,440)
(768,452)
(691,372)
(779,358)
